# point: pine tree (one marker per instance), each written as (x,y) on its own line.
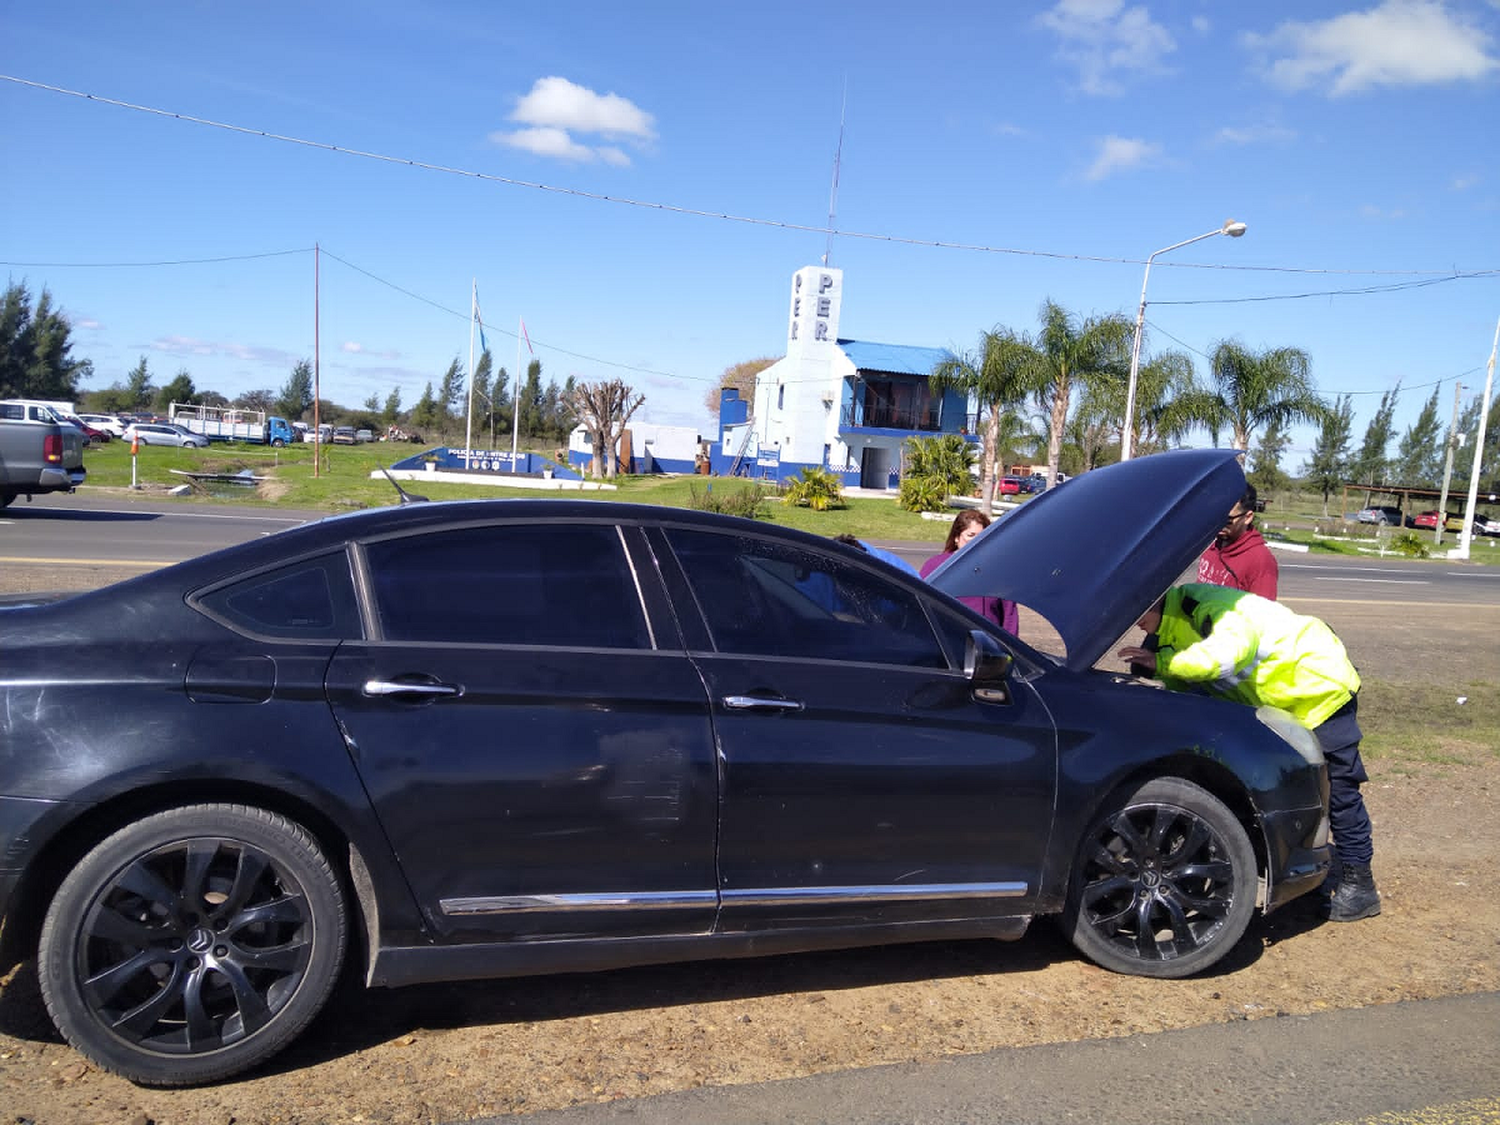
(1372,464)
(1419,457)
(1329,465)
(296,395)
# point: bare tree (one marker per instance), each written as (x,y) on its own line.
(740,376)
(605,410)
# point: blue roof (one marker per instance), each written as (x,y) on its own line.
(900,359)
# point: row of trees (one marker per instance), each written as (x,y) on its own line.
(1075,373)
(1062,391)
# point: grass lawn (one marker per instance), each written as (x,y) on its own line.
(343,483)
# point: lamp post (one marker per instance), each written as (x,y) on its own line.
(1127,434)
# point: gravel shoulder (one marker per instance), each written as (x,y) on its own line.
(447,1053)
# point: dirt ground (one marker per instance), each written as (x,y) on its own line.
(451,1052)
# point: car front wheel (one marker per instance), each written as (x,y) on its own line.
(1164,883)
(193,944)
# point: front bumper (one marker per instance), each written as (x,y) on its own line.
(1298,853)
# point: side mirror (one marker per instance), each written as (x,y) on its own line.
(987,665)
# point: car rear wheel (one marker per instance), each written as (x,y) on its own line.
(1164,884)
(193,944)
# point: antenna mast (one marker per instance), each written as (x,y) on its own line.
(833,191)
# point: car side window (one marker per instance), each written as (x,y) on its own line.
(560,584)
(776,599)
(308,600)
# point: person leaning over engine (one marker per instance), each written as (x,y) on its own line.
(1251,650)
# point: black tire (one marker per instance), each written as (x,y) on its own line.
(277,442)
(1164,883)
(193,944)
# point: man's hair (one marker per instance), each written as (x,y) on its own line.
(1247,501)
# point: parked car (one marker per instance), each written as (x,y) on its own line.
(1487,526)
(363,436)
(662,734)
(1429,520)
(1008,486)
(1380,515)
(164,433)
(343,435)
(106,422)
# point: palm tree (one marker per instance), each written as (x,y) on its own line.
(1068,354)
(1163,386)
(1248,390)
(998,377)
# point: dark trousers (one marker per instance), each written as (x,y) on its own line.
(1339,736)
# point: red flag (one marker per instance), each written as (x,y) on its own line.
(529,348)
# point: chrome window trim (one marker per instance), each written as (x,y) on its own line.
(640,595)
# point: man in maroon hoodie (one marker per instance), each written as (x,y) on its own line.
(1238,556)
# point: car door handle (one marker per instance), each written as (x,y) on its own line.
(760,703)
(377,688)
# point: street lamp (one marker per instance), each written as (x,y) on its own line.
(1127,435)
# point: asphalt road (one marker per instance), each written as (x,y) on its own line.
(128,536)
(1429,1062)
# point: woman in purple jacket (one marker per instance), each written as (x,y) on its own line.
(966,525)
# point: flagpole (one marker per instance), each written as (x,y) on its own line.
(469,413)
(515,399)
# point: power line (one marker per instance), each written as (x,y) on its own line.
(151,265)
(503,332)
(780,224)
(1364,290)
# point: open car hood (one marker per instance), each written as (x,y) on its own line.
(1092,554)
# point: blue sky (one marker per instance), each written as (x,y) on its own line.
(993,155)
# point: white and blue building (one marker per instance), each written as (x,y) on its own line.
(835,403)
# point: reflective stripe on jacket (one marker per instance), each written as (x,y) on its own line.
(1251,650)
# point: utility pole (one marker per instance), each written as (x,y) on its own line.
(1454,440)
(1467,534)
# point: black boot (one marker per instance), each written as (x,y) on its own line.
(1355,896)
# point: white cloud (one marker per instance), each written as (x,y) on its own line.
(1122,154)
(1380,214)
(1201,25)
(1255,135)
(353,347)
(1464,183)
(187,345)
(1397,43)
(556,113)
(1105,39)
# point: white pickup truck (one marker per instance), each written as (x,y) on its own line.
(38,452)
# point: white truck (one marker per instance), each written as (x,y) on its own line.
(232,423)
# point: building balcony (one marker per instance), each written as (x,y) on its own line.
(927,421)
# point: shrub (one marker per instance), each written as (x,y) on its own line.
(816,488)
(948,458)
(1410,544)
(748,501)
(923,494)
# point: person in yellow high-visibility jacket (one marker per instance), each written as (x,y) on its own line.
(1255,651)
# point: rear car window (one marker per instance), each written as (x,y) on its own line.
(554,584)
(309,600)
